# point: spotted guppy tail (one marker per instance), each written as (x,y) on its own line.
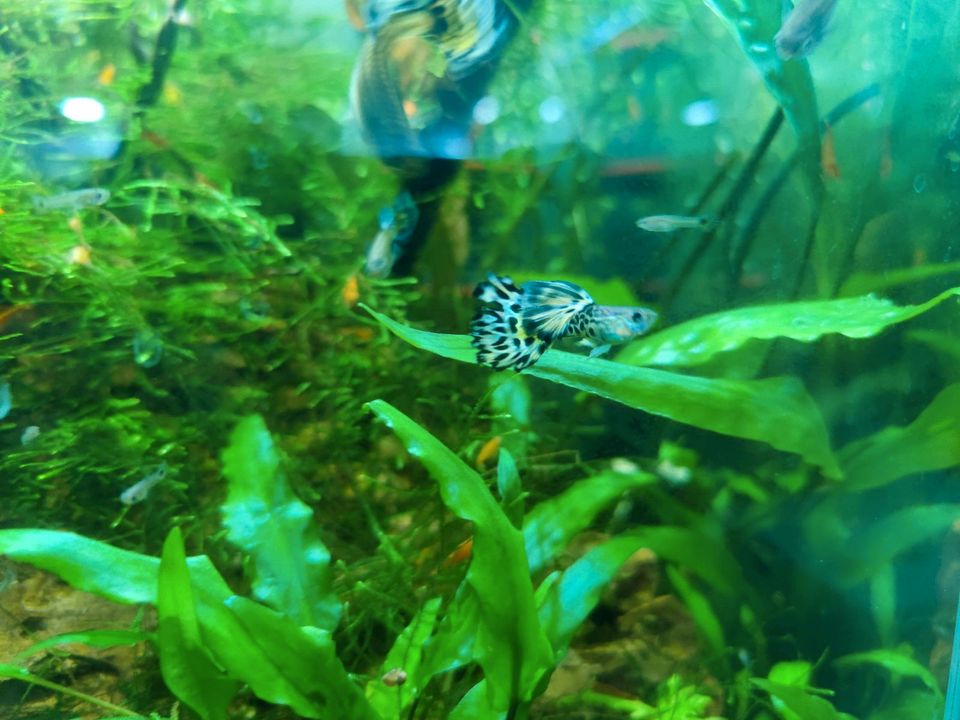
(498,330)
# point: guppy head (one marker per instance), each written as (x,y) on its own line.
(619,324)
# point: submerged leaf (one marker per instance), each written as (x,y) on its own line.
(265,518)
(896,663)
(931,442)
(187,667)
(697,341)
(777,411)
(805,705)
(510,645)
(551,525)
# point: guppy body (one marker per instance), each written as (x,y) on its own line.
(516,325)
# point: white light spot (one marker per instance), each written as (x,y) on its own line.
(83,109)
(486,110)
(700,113)
(552,110)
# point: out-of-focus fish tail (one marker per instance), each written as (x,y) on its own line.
(497,330)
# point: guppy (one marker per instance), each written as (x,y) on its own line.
(516,325)
(397,223)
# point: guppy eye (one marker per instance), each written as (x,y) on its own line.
(637,317)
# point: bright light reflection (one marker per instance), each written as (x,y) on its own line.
(700,113)
(552,110)
(83,109)
(486,110)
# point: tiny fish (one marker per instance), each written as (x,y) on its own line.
(71,201)
(669,223)
(6,399)
(804,28)
(515,325)
(139,490)
(30,433)
(397,223)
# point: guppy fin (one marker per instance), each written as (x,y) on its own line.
(497,331)
(550,307)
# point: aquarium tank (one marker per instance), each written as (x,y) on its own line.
(479,359)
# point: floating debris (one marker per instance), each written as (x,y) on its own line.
(138,491)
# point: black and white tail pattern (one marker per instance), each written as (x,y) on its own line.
(498,328)
(552,309)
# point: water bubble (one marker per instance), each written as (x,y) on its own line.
(83,109)
(147,349)
(486,110)
(919,183)
(552,110)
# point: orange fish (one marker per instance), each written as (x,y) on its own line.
(828,155)
(351,292)
(107,75)
(488,452)
(461,554)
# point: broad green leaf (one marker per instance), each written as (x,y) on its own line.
(870,550)
(305,657)
(697,341)
(91,638)
(406,654)
(185,664)
(792,672)
(898,664)
(475,705)
(700,552)
(797,700)
(551,525)
(265,518)
(861,283)
(931,442)
(573,597)
(754,23)
(883,602)
(700,609)
(777,411)
(453,645)
(131,578)
(510,644)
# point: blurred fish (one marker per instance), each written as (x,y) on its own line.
(71,201)
(804,28)
(397,223)
(518,324)
(138,491)
(669,223)
(6,399)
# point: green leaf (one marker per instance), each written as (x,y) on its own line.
(510,644)
(792,672)
(551,525)
(931,442)
(777,411)
(187,668)
(509,487)
(700,609)
(265,518)
(406,654)
(898,664)
(754,23)
(883,602)
(697,341)
(873,548)
(573,597)
(860,283)
(131,578)
(797,700)
(475,705)
(92,638)
(305,658)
